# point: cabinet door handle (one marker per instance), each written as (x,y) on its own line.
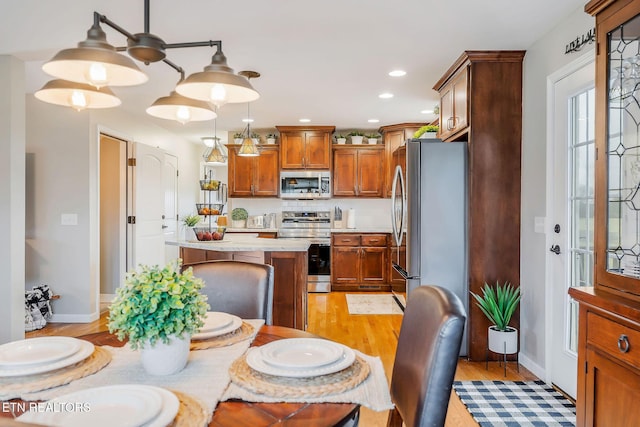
(450,123)
(623,344)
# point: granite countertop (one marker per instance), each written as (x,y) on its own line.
(240,242)
(251,230)
(371,229)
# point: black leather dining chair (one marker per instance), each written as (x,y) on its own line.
(236,287)
(426,357)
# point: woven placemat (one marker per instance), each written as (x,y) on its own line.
(191,413)
(15,386)
(242,333)
(274,386)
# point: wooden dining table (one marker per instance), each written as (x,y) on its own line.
(238,413)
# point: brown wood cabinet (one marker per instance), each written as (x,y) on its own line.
(305,147)
(493,131)
(394,137)
(359,261)
(453,104)
(357,171)
(609,317)
(254,176)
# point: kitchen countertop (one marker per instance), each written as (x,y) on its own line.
(371,229)
(240,242)
(251,230)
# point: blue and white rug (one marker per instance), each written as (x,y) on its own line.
(515,403)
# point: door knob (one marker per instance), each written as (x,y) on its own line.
(555,249)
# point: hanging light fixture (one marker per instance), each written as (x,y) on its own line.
(76,95)
(248,147)
(97,63)
(217,154)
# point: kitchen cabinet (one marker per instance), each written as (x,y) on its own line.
(393,137)
(399,256)
(493,133)
(357,171)
(254,176)
(305,147)
(609,315)
(359,262)
(453,105)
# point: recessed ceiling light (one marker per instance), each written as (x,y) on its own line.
(304,120)
(385,95)
(397,73)
(247,120)
(373,120)
(426,112)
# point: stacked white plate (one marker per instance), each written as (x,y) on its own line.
(37,355)
(300,357)
(217,323)
(118,405)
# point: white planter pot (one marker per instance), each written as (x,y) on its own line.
(372,140)
(238,223)
(503,342)
(341,140)
(237,141)
(429,135)
(256,140)
(356,140)
(166,359)
(271,140)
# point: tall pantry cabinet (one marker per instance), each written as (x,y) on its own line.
(609,317)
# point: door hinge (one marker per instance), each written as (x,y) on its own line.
(131,161)
(131,219)
(177,172)
(596,153)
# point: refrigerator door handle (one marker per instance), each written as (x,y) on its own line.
(404,273)
(398,212)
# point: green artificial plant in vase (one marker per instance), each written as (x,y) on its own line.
(499,304)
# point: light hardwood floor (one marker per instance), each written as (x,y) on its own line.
(376,335)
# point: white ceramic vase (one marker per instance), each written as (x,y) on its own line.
(503,342)
(357,140)
(341,140)
(429,135)
(372,141)
(166,359)
(239,223)
(237,141)
(271,141)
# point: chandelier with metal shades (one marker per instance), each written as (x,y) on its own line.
(85,73)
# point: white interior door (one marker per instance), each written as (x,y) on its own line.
(570,237)
(170,217)
(149,206)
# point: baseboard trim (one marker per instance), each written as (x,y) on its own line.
(535,369)
(107,298)
(74,318)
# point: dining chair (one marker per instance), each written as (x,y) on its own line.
(426,357)
(236,287)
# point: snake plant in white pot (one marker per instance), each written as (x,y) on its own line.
(498,305)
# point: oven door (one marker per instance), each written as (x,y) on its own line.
(319,274)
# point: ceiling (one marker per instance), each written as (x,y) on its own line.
(323,60)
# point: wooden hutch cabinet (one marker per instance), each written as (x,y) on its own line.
(609,316)
(359,261)
(394,137)
(305,147)
(254,176)
(489,117)
(357,171)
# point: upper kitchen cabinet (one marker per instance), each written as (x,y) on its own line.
(357,171)
(453,105)
(254,176)
(394,137)
(305,147)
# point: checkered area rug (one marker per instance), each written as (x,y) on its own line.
(515,403)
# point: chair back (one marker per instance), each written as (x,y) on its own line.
(236,287)
(427,356)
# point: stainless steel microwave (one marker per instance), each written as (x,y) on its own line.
(305,185)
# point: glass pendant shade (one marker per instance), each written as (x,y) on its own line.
(77,95)
(248,148)
(180,108)
(95,62)
(216,156)
(218,84)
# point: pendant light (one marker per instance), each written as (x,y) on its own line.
(217,155)
(248,147)
(76,95)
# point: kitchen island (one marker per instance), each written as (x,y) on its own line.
(287,256)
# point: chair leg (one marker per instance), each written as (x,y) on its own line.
(394,420)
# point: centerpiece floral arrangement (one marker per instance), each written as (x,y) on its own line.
(158,304)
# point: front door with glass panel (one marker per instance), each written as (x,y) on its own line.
(570,256)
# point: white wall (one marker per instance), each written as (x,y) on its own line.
(542,59)
(12,200)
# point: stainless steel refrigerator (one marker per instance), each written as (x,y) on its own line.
(432,206)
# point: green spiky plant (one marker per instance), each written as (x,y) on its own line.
(498,304)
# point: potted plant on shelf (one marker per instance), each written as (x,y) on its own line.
(372,138)
(427,131)
(239,217)
(498,305)
(255,137)
(271,138)
(356,137)
(158,309)
(238,137)
(341,139)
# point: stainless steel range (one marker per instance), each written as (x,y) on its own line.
(314,226)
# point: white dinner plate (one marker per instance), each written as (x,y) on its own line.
(86,349)
(170,407)
(301,353)
(216,320)
(235,324)
(255,361)
(34,351)
(117,405)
